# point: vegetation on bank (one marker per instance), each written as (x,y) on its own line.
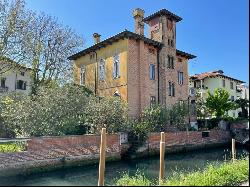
(12,147)
(227,174)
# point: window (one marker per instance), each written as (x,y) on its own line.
(152,101)
(231,85)
(194,84)
(3,80)
(232,98)
(170,62)
(181,102)
(152,71)
(116,70)
(179,60)
(169,42)
(21,85)
(171,89)
(22,73)
(82,75)
(172,43)
(102,70)
(180,78)
(224,83)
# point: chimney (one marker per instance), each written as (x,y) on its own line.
(139,24)
(97,37)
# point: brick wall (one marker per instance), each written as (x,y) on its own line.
(54,152)
(193,138)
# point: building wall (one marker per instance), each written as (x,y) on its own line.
(140,87)
(108,86)
(216,82)
(11,78)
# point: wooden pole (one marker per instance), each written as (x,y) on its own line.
(102,158)
(162,154)
(233,150)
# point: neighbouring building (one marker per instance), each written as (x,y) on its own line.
(203,82)
(141,70)
(14,78)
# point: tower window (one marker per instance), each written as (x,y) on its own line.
(171,89)
(170,62)
(152,71)
(180,78)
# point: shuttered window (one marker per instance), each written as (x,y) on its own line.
(102,70)
(116,68)
(82,75)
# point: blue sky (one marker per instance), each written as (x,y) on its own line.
(216,31)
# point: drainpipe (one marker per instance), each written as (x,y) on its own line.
(158,74)
(95,74)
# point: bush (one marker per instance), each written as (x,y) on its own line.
(53,111)
(138,180)
(12,147)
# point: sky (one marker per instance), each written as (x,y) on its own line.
(216,31)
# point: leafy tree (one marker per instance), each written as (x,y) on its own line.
(108,112)
(243,104)
(219,102)
(13,21)
(54,110)
(201,109)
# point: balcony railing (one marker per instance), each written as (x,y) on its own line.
(3,89)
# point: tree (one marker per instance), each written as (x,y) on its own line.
(54,110)
(48,45)
(201,109)
(219,102)
(108,112)
(38,41)
(13,23)
(243,104)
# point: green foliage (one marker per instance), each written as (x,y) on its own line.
(157,117)
(53,111)
(219,102)
(12,147)
(201,110)
(243,104)
(227,174)
(110,112)
(138,180)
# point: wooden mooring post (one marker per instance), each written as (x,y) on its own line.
(233,150)
(162,163)
(102,158)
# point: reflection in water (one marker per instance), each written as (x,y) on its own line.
(88,175)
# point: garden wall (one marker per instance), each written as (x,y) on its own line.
(48,153)
(183,141)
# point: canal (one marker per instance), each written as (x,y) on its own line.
(88,175)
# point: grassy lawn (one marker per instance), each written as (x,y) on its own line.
(12,147)
(227,174)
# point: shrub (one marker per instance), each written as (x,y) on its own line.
(12,147)
(53,111)
(138,180)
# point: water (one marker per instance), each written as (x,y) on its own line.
(88,175)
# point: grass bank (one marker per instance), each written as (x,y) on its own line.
(227,174)
(12,147)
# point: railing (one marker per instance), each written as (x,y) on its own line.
(3,89)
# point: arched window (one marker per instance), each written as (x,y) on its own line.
(102,70)
(82,75)
(116,70)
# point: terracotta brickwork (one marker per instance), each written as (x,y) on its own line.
(54,152)
(140,87)
(192,138)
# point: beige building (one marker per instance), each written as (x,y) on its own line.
(16,79)
(216,79)
(142,70)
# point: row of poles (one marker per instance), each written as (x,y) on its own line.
(162,157)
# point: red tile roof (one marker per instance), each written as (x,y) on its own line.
(217,73)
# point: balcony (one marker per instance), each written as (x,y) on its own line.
(3,89)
